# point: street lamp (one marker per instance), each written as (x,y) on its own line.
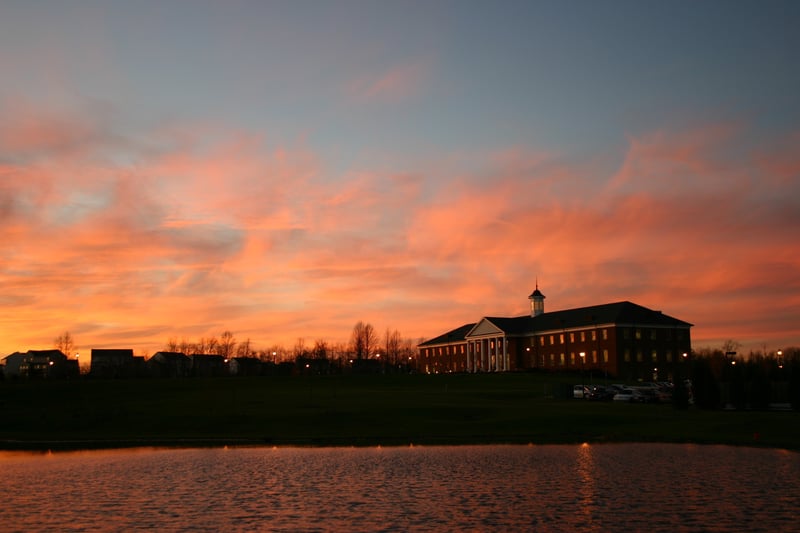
(780,359)
(583,377)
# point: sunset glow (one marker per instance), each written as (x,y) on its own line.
(284,170)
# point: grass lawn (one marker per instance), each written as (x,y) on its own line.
(355,411)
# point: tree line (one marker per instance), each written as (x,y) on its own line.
(725,378)
(364,343)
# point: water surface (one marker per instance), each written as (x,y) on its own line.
(606,487)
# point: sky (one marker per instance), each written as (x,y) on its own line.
(283,170)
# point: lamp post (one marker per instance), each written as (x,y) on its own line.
(583,377)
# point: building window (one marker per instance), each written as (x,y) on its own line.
(605,334)
(639,356)
(541,341)
(571,337)
(583,336)
(605,356)
(669,356)
(491,345)
(627,355)
(594,356)
(638,334)
(572,358)
(654,354)
(552,359)
(562,360)
(561,338)
(652,334)
(594,334)
(552,340)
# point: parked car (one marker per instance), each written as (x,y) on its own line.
(601,393)
(580,391)
(629,395)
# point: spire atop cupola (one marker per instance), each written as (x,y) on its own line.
(537,301)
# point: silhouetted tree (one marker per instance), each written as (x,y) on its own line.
(320,349)
(704,385)
(300,348)
(65,343)
(244,349)
(363,340)
(760,387)
(227,344)
(392,342)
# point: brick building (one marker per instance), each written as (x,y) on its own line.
(620,339)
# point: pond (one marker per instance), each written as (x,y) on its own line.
(602,487)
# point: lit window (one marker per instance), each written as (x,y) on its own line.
(562,359)
(654,355)
(583,336)
(571,337)
(594,356)
(669,356)
(639,356)
(561,338)
(638,333)
(605,356)
(627,356)
(605,334)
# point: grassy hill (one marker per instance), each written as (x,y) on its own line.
(354,411)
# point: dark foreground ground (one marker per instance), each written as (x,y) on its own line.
(356,411)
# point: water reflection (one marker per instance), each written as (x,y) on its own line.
(586,479)
(649,487)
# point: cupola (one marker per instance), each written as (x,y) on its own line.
(537,301)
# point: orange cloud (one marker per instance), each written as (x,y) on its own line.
(218,230)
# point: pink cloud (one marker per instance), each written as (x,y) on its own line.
(397,83)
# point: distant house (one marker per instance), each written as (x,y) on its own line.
(43,364)
(207,365)
(245,366)
(620,339)
(113,363)
(169,365)
(11,364)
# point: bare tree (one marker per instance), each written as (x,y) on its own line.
(300,348)
(172,344)
(66,343)
(731,345)
(363,340)
(392,341)
(226,345)
(320,349)
(245,349)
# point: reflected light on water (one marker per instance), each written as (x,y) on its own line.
(586,487)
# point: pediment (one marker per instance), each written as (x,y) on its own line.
(483,328)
